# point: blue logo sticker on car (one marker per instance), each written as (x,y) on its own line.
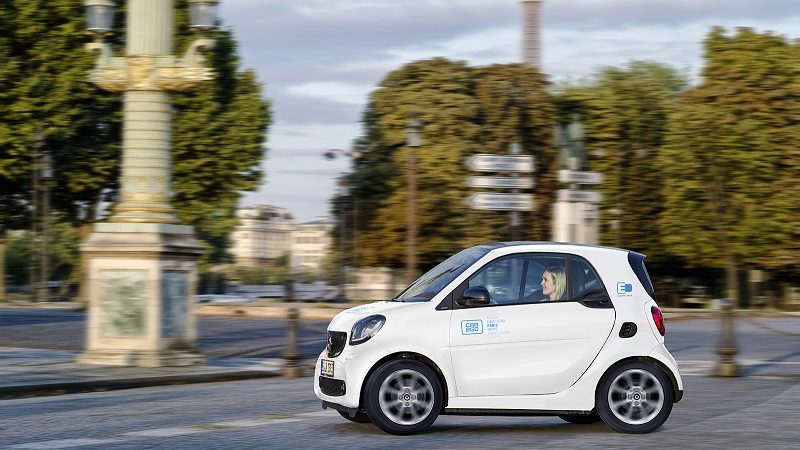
(624,289)
(471,327)
(360,309)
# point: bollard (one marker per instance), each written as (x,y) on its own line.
(726,364)
(291,354)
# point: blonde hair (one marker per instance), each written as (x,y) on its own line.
(559,280)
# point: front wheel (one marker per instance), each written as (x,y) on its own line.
(403,397)
(634,397)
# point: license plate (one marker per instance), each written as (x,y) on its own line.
(326,368)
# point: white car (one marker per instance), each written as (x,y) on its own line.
(523,328)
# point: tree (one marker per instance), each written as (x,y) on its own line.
(44,89)
(219,129)
(515,108)
(731,164)
(218,143)
(437,92)
(464,111)
(625,114)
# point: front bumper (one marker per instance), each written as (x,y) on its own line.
(350,370)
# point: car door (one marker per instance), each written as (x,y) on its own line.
(523,342)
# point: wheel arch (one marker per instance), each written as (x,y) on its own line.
(411,356)
(676,392)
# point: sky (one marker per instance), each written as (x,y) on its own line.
(318,60)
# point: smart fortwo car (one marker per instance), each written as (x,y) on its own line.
(521,328)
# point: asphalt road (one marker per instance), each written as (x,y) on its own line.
(761,410)
(284,414)
(219,337)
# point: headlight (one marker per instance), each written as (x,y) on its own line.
(366,328)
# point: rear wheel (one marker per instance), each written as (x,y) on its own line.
(581,419)
(634,397)
(360,417)
(403,397)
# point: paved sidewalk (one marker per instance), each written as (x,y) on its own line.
(25,371)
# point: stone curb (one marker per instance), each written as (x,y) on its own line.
(71,387)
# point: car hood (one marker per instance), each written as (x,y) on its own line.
(344,320)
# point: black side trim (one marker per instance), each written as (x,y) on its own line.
(351,411)
(627,330)
(332,386)
(678,395)
(446,304)
(508,412)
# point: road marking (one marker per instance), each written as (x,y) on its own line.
(64,443)
(242,423)
(166,432)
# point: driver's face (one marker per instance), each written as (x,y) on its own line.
(548,283)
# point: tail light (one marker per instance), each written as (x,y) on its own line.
(658,318)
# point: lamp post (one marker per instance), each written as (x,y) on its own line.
(345,191)
(45,178)
(413,141)
(141,264)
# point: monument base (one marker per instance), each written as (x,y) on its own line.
(142,279)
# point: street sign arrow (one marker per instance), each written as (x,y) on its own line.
(500,163)
(574,176)
(572,195)
(501,202)
(500,182)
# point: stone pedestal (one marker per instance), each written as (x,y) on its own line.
(575,222)
(142,279)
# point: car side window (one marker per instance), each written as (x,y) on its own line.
(583,278)
(502,278)
(524,279)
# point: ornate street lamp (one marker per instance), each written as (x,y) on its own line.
(413,141)
(99,16)
(203,14)
(141,264)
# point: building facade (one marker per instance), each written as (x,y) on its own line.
(263,235)
(311,243)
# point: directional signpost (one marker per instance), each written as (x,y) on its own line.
(574,196)
(513,202)
(578,177)
(500,182)
(500,163)
(575,211)
(501,202)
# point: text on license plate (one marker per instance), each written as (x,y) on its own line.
(326,368)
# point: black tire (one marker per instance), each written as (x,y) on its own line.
(581,419)
(634,397)
(403,397)
(360,417)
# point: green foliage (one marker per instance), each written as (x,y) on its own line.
(18,257)
(731,163)
(259,275)
(514,108)
(218,129)
(464,111)
(625,115)
(43,88)
(63,250)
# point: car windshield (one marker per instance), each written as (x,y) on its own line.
(440,276)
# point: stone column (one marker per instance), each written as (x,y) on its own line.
(141,265)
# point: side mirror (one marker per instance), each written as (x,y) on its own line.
(475,296)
